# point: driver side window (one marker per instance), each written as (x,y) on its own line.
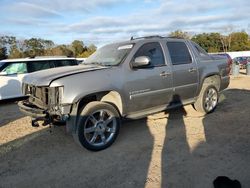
(152,50)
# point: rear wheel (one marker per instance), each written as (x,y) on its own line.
(207,100)
(98,126)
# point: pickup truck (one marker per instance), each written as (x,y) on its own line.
(126,80)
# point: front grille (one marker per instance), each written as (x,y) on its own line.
(37,95)
(43,97)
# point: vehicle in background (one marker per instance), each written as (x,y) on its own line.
(242,61)
(12,72)
(240,57)
(81,60)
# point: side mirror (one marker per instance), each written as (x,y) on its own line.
(3,74)
(141,61)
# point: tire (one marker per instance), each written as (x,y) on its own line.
(98,126)
(207,100)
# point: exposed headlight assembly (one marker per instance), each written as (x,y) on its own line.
(55,96)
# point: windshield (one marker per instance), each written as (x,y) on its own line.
(110,55)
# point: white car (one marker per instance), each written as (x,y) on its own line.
(12,72)
(81,60)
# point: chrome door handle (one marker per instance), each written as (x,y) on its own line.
(163,74)
(192,69)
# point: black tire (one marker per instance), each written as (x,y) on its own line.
(94,126)
(201,105)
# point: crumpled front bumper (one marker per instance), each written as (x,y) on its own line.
(32,110)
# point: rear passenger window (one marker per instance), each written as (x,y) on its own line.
(179,53)
(154,52)
(38,65)
(61,63)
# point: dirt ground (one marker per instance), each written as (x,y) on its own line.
(178,149)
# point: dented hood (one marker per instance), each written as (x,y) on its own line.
(45,77)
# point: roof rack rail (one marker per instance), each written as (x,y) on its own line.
(173,37)
(146,37)
(155,36)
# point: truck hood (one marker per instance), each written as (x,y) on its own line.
(45,77)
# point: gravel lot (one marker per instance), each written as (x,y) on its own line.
(177,149)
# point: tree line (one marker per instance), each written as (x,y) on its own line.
(216,42)
(11,47)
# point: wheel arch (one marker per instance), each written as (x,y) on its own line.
(213,79)
(112,97)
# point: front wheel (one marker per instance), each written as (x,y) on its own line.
(207,100)
(98,126)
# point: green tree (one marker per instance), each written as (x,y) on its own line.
(3,53)
(33,47)
(16,50)
(211,42)
(90,50)
(15,53)
(8,42)
(77,47)
(239,41)
(62,50)
(47,44)
(180,34)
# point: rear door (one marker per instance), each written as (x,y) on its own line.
(150,86)
(185,73)
(11,82)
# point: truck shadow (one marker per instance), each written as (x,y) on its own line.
(54,159)
(221,152)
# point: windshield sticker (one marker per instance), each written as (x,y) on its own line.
(129,46)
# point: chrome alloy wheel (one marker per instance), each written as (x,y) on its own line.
(211,99)
(100,127)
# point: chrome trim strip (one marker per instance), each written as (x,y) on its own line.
(188,85)
(144,94)
(134,94)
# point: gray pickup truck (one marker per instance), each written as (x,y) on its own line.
(129,79)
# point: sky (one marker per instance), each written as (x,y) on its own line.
(104,21)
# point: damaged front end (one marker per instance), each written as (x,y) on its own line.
(44,104)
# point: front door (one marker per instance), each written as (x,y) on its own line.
(149,86)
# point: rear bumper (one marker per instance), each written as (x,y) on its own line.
(31,110)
